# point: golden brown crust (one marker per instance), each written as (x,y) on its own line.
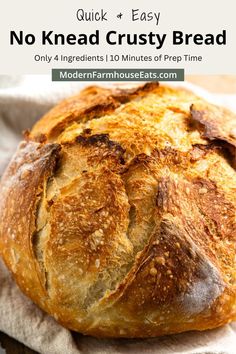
(218,122)
(117,215)
(22,188)
(92,102)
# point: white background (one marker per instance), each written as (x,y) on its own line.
(201,16)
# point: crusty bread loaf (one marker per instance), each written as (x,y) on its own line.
(117,213)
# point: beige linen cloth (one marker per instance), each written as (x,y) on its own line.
(22,101)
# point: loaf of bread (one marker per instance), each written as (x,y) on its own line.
(118,212)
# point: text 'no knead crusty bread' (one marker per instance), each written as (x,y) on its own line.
(117,213)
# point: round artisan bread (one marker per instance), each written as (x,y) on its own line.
(118,212)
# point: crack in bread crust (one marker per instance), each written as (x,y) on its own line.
(23,184)
(92,103)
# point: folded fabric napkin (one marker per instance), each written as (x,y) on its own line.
(22,101)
